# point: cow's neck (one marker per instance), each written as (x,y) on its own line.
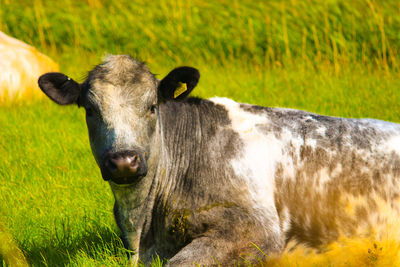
(188,130)
(135,202)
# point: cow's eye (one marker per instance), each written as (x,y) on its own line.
(153,109)
(89,112)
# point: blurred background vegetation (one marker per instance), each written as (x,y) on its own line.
(259,34)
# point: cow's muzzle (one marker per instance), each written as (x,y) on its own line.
(123,167)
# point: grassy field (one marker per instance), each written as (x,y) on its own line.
(333,57)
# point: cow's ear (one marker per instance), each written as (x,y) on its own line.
(60,88)
(178,84)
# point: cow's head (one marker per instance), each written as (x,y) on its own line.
(121,98)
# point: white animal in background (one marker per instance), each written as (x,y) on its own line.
(20,67)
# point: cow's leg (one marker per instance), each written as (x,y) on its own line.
(211,251)
(118,222)
(128,238)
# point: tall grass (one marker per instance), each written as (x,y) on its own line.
(267,34)
(334,57)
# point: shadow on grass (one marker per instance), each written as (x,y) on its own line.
(101,245)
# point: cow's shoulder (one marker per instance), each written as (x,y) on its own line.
(244,118)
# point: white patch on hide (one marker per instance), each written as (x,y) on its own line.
(321,130)
(393,144)
(257,162)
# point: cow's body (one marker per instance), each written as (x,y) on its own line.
(328,175)
(225,180)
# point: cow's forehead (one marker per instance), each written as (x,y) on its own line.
(122,70)
(122,75)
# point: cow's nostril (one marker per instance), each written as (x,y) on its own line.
(111,164)
(135,162)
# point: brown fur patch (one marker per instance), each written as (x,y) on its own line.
(314,196)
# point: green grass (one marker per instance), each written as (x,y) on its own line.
(334,57)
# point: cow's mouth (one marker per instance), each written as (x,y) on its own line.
(124,179)
(129,180)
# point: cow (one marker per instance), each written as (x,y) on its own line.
(216,182)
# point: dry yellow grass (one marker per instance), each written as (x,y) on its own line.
(9,251)
(377,244)
(20,67)
(345,252)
